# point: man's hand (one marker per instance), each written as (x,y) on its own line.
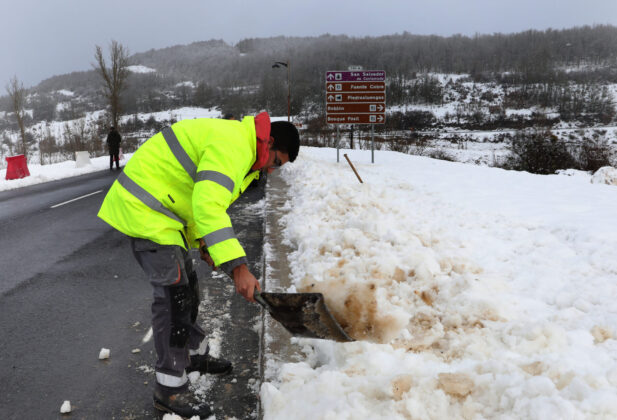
(203,251)
(246,283)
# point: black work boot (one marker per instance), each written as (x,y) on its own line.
(180,401)
(205,363)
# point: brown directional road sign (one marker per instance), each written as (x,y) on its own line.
(355,87)
(359,108)
(355,119)
(356,97)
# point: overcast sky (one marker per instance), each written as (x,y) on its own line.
(42,38)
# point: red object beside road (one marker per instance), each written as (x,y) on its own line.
(17,167)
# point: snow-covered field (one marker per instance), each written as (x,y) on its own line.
(473,292)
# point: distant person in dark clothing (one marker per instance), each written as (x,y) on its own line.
(113,143)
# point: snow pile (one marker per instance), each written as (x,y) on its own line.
(474,292)
(140,69)
(45,173)
(66,92)
(605,175)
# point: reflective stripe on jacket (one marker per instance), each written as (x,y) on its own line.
(181,182)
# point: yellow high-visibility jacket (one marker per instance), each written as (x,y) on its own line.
(178,185)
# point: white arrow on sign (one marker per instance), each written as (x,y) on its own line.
(330,97)
(330,77)
(381,107)
(380,118)
(330,87)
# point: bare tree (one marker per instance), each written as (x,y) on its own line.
(113,77)
(47,144)
(37,139)
(6,140)
(17,95)
(75,135)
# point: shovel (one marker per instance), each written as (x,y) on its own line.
(303,315)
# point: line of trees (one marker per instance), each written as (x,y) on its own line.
(582,54)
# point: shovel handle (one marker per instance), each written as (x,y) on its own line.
(257,296)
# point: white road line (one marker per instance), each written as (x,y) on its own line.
(75,199)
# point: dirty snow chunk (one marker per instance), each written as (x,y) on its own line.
(400,385)
(605,175)
(66,407)
(456,384)
(601,334)
(104,354)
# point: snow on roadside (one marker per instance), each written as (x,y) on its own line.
(473,292)
(55,171)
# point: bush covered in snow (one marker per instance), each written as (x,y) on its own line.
(543,152)
(594,154)
(538,152)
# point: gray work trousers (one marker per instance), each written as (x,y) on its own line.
(169,269)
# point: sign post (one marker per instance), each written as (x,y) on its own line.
(356,97)
(338,143)
(372,144)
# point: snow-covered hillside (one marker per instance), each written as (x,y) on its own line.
(451,115)
(473,292)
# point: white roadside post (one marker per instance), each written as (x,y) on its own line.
(82,159)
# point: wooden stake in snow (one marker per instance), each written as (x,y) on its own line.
(354,169)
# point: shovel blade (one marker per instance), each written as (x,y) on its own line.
(304,315)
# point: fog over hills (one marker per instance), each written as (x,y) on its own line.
(532,79)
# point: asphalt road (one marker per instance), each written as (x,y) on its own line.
(69,286)
(34,236)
